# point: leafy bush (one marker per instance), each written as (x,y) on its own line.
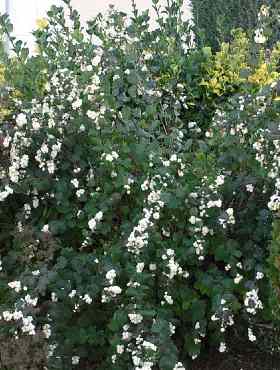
(214,21)
(237,67)
(135,226)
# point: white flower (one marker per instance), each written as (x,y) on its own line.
(72,293)
(96,60)
(35,202)
(218,203)
(54,297)
(229,211)
(191,125)
(113,290)
(192,220)
(51,167)
(140,267)
(80,192)
(250,188)
(251,336)
(264,11)
(156,215)
(109,157)
(6,141)
(173,158)
(92,115)
(220,180)
(17,315)
(205,230)
(77,104)
(36,125)
(47,330)
(168,298)
(4,194)
(252,302)
(21,120)
(179,366)
(238,278)
(7,316)
(31,301)
(28,327)
(92,224)
(149,346)
(46,229)
(99,216)
(120,349)
(115,155)
(16,285)
(135,318)
(75,183)
(239,265)
(75,360)
(259,275)
(222,347)
(259,37)
(87,299)
(111,275)
(44,148)
(24,161)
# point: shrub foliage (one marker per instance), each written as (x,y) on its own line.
(136,199)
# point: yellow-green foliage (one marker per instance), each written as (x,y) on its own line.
(232,68)
(4,111)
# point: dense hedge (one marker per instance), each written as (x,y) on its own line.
(138,184)
(214,20)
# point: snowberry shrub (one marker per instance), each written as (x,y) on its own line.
(128,243)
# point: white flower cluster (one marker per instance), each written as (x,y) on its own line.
(228,218)
(75,360)
(142,355)
(200,202)
(224,316)
(47,331)
(268,155)
(135,318)
(110,292)
(110,157)
(252,302)
(47,154)
(179,366)
(174,268)
(139,236)
(259,36)
(5,193)
(26,322)
(251,336)
(127,186)
(92,223)
(16,285)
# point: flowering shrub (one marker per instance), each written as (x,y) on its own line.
(126,242)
